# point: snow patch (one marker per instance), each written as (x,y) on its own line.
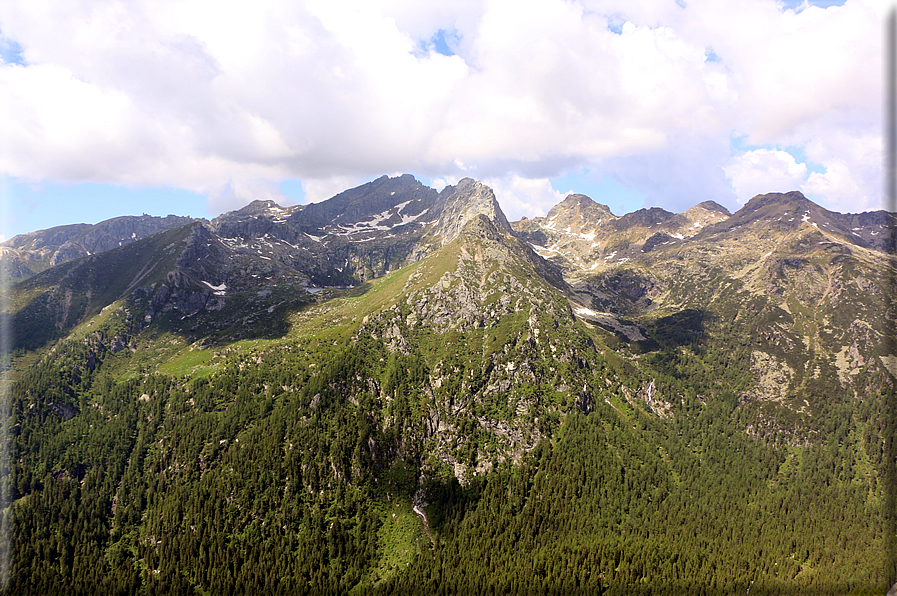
(407,219)
(217,290)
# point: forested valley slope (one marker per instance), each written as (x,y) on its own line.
(398,391)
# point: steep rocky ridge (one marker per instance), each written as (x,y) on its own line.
(585,237)
(27,254)
(463,203)
(500,344)
(361,233)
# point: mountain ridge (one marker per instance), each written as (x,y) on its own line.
(413,394)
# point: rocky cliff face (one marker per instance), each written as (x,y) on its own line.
(464,203)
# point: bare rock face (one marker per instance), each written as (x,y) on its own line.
(488,284)
(462,204)
(580,213)
(585,238)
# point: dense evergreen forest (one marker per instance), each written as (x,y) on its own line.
(296,468)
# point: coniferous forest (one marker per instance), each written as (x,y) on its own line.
(269,477)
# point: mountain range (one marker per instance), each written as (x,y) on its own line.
(391,388)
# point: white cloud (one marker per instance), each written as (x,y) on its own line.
(317,190)
(836,182)
(853,176)
(521,197)
(678,176)
(240,191)
(763,171)
(227,100)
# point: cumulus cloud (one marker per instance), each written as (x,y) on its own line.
(524,197)
(852,180)
(764,170)
(227,100)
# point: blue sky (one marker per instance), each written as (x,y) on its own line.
(157,110)
(36,207)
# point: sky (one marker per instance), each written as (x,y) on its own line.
(198,107)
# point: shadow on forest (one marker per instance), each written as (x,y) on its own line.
(245,316)
(684,328)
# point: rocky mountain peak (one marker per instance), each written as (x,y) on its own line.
(261,204)
(367,202)
(644,218)
(702,215)
(579,212)
(777,204)
(464,202)
(712,206)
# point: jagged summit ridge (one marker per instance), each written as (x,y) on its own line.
(27,254)
(781,213)
(584,237)
(464,202)
(363,232)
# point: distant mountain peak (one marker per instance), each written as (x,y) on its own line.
(779,199)
(711,206)
(581,207)
(33,252)
(653,216)
(261,205)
